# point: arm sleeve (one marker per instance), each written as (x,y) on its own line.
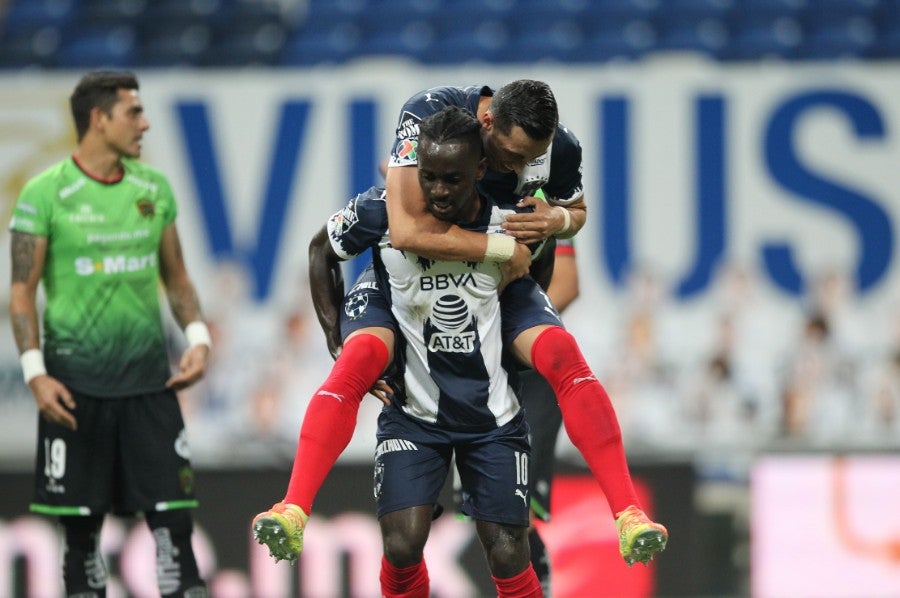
(360,225)
(564,187)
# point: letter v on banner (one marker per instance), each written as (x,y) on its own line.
(208,182)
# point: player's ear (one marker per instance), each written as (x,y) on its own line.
(487,120)
(98,115)
(482,169)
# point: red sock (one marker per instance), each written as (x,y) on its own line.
(588,414)
(331,416)
(523,585)
(408,582)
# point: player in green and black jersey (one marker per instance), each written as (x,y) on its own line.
(98,231)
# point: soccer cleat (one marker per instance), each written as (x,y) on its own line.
(281,529)
(639,538)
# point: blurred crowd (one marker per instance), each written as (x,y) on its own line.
(739,371)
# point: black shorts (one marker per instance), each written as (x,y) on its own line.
(544,420)
(129,455)
(413,458)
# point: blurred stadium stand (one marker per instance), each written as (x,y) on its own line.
(225,33)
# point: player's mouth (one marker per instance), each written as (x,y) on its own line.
(441,209)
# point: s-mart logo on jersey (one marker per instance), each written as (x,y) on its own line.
(114,264)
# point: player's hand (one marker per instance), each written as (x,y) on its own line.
(382,391)
(516,267)
(191,367)
(528,227)
(54,400)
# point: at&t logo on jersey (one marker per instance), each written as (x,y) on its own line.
(114,264)
(452,329)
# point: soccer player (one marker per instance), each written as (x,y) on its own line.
(526,149)
(98,229)
(455,396)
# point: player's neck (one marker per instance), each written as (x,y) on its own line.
(100,164)
(474,208)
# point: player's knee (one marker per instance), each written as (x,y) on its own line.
(506,548)
(402,548)
(402,553)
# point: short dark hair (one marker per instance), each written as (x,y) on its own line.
(97,89)
(451,124)
(528,104)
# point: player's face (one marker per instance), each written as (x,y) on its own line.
(447,175)
(511,152)
(124,127)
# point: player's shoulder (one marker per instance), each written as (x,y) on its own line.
(57,175)
(146,176)
(135,167)
(565,139)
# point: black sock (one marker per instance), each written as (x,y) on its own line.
(84,572)
(176,567)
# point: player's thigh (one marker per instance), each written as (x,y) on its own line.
(525,312)
(75,469)
(494,473)
(366,305)
(155,466)
(411,463)
(385,335)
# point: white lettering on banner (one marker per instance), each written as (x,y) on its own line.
(353,539)
(35,540)
(358,537)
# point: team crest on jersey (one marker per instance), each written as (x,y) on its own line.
(146,208)
(356,305)
(409,125)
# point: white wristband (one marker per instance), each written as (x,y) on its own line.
(32,362)
(500,248)
(567,222)
(197,333)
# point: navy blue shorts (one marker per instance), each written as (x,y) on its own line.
(129,454)
(412,461)
(523,305)
(366,306)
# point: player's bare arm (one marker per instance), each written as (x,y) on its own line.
(414,229)
(185,306)
(546,221)
(326,283)
(564,285)
(53,399)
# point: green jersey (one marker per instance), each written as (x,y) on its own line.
(102,324)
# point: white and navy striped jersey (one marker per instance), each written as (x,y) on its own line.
(449,316)
(557,172)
